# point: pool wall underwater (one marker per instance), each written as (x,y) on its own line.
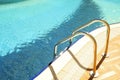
(30,29)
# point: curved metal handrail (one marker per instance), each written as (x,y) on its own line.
(77,34)
(107,34)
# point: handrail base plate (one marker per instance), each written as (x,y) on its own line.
(94,75)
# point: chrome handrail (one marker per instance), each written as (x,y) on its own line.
(75,35)
(107,34)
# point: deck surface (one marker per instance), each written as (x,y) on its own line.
(110,67)
(77,62)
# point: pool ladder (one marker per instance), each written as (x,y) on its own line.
(76,33)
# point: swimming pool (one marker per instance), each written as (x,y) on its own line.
(29,30)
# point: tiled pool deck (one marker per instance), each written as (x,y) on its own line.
(110,67)
(71,64)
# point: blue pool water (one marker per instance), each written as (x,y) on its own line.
(9,1)
(29,30)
